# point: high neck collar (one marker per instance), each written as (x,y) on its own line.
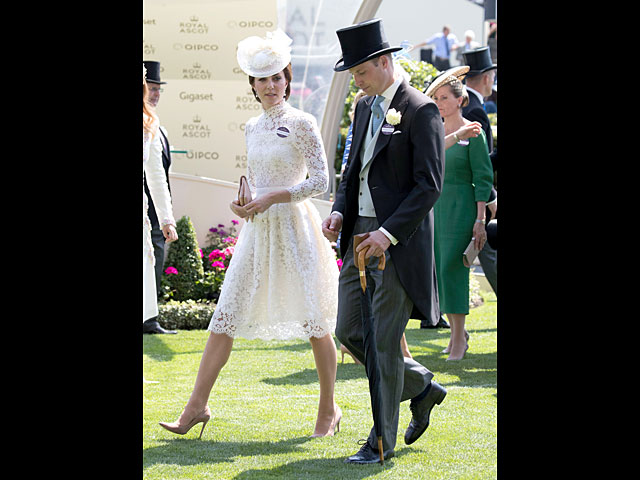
(276,110)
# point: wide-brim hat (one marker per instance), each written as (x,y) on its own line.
(153,71)
(445,77)
(478,60)
(362,42)
(262,57)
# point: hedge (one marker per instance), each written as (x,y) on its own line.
(187,315)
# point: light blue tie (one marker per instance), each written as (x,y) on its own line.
(376,110)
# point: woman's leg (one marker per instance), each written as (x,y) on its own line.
(325,355)
(405,347)
(215,356)
(458,343)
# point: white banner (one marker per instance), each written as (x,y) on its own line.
(207,99)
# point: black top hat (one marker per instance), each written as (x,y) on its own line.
(361,42)
(479,61)
(153,72)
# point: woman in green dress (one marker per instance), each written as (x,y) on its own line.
(459,213)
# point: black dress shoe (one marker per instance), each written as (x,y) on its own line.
(421,409)
(367,454)
(152,326)
(442,323)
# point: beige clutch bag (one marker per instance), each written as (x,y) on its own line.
(470,254)
(244,192)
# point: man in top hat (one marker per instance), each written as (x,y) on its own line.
(479,83)
(393,178)
(153,83)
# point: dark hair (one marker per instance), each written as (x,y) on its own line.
(287,76)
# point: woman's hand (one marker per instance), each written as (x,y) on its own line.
(170,233)
(240,211)
(469,130)
(479,234)
(259,204)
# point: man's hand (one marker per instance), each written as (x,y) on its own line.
(378,244)
(331,227)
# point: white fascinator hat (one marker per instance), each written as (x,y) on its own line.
(262,57)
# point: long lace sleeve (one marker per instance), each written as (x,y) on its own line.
(157,183)
(308,142)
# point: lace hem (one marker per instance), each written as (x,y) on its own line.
(227,323)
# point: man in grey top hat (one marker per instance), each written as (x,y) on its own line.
(153,82)
(393,177)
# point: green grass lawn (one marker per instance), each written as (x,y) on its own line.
(264,408)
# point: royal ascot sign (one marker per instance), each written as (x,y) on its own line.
(194,26)
(207,100)
(196,72)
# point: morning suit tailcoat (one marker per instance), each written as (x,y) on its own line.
(405,180)
(476,113)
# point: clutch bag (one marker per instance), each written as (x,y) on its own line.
(470,254)
(244,192)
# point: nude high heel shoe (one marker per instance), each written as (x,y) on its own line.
(466,336)
(344,350)
(334,427)
(181,429)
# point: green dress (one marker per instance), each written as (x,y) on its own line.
(468,177)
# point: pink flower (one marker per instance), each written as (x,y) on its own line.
(217,253)
(339,262)
(171,271)
(235,222)
(218,264)
(201,254)
(229,251)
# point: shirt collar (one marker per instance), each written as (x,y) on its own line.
(390,92)
(477,94)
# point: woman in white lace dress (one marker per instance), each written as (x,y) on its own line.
(282,282)
(156,180)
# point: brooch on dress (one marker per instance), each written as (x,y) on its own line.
(282,132)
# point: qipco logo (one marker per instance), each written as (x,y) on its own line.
(250,24)
(197,155)
(196,47)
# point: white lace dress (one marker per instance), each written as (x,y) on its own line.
(157,181)
(282,281)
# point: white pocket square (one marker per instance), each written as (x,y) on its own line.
(396,132)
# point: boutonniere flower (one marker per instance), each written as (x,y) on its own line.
(393,116)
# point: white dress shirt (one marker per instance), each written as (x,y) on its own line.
(365,201)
